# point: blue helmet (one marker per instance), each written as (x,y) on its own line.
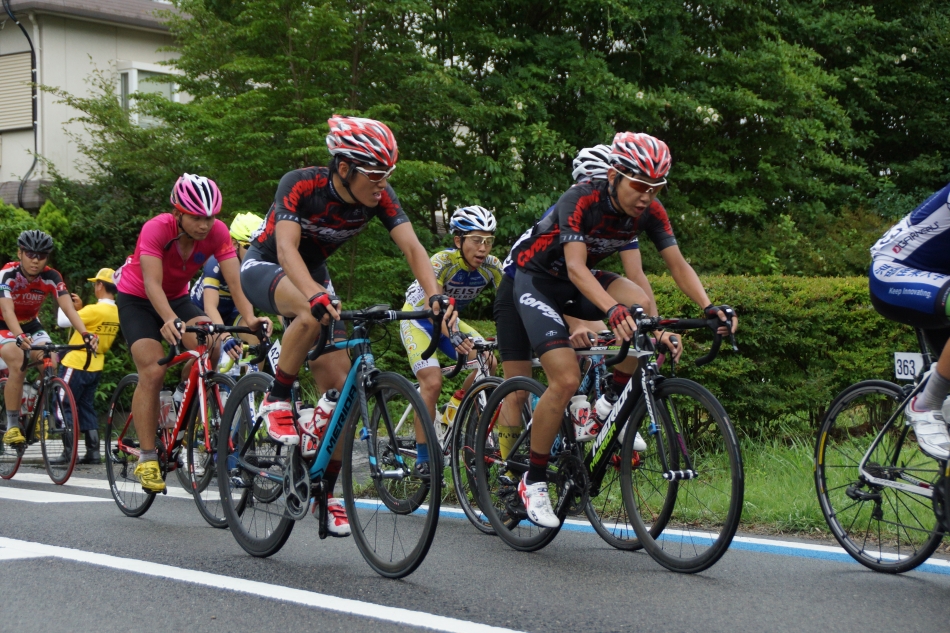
(474,218)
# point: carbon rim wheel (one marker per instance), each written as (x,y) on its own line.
(883,528)
(253,504)
(120,433)
(58,430)
(497,487)
(10,456)
(708,503)
(606,509)
(463,451)
(201,450)
(393,513)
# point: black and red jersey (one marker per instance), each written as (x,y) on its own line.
(28,296)
(307,196)
(586,214)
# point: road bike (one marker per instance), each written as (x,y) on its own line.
(267,487)
(50,416)
(682,495)
(883,498)
(188,446)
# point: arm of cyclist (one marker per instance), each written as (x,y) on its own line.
(61,319)
(8,312)
(288,256)
(688,281)
(582,332)
(633,268)
(66,305)
(152,276)
(621,323)
(405,238)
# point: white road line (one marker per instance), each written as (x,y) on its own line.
(276,592)
(95,484)
(41,496)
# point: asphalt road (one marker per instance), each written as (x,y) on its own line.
(70,559)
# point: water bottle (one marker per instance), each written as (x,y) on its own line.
(603,407)
(28,400)
(452,408)
(179,394)
(166,411)
(580,412)
(315,426)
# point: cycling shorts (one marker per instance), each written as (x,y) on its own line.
(513,342)
(33,327)
(139,319)
(259,280)
(540,303)
(917,298)
(417,335)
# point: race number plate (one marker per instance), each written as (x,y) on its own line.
(274,353)
(907,365)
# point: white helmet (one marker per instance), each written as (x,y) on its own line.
(474,218)
(592,163)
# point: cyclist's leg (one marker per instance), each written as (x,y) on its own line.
(515,350)
(416,338)
(13,388)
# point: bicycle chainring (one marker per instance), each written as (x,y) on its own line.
(296,486)
(939,500)
(571,471)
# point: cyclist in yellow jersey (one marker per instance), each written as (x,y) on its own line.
(102,319)
(462,273)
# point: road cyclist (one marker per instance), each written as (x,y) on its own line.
(315,211)
(154,304)
(554,276)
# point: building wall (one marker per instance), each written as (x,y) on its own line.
(69,51)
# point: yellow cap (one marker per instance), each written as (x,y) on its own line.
(104,274)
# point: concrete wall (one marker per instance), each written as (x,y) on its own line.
(69,50)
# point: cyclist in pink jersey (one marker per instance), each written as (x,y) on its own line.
(153,298)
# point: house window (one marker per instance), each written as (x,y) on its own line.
(145,79)
(16,95)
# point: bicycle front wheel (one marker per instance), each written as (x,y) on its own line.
(463,451)
(132,500)
(702,477)
(251,501)
(887,525)
(393,512)
(202,446)
(10,456)
(58,428)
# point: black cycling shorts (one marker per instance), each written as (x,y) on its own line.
(513,341)
(541,302)
(936,327)
(139,319)
(259,279)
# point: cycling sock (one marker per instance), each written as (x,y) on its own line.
(422,453)
(148,456)
(283,381)
(934,393)
(507,436)
(13,419)
(329,478)
(538,469)
(620,379)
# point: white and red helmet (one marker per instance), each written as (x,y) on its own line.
(362,141)
(196,195)
(640,154)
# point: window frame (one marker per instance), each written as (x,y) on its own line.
(128,83)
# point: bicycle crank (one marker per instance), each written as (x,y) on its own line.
(296,487)
(939,500)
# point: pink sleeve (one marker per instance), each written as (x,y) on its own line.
(151,242)
(226,250)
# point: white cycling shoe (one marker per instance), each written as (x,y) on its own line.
(931,431)
(537,503)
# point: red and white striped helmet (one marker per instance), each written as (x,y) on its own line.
(362,141)
(196,195)
(640,154)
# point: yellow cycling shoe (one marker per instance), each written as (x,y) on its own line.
(150,475)
(13,436)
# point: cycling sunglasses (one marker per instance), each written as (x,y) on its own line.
(34,255)
(642,185)
(375,175)
(480,240)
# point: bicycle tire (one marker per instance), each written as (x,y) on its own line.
(498,498)
(463,452)
(10,456)
(253,505)
(705,514)
(59,430)
(202,450)
(885,529)
(393,542)
(132,500)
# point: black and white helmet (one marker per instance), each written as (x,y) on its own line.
(473,218)
(591,163)
(36,241)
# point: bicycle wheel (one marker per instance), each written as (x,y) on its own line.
(59,431)
(120,434)
(202,446)
(393,513)
(884,528)
(606,509)
(463,450)
(10,456)
(497,486)
(694,430)
(252,503)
